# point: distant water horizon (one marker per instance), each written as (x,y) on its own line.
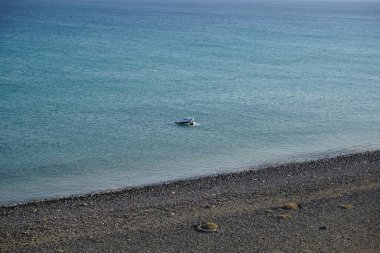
(90,89)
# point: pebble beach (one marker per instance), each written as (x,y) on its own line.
(326,205)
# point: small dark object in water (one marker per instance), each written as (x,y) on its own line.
(185,121)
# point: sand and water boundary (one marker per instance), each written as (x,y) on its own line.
(334,207)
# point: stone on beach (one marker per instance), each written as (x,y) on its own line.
(285,216)
(289,206)
(207,227)
(347,206)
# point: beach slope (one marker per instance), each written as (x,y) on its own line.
(327,205)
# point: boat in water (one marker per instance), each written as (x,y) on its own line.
(185,121)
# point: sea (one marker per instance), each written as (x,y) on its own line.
(90,89)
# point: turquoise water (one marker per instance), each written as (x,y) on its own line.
(89,90)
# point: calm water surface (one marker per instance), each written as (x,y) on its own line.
(89,89)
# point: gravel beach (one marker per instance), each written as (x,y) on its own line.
(327,205)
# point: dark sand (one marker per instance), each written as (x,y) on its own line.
(246,205)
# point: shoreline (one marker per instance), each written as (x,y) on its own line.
(245,204)
(249,169)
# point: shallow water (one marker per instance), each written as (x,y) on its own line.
(89,90)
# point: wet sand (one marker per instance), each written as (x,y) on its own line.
(336,209)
